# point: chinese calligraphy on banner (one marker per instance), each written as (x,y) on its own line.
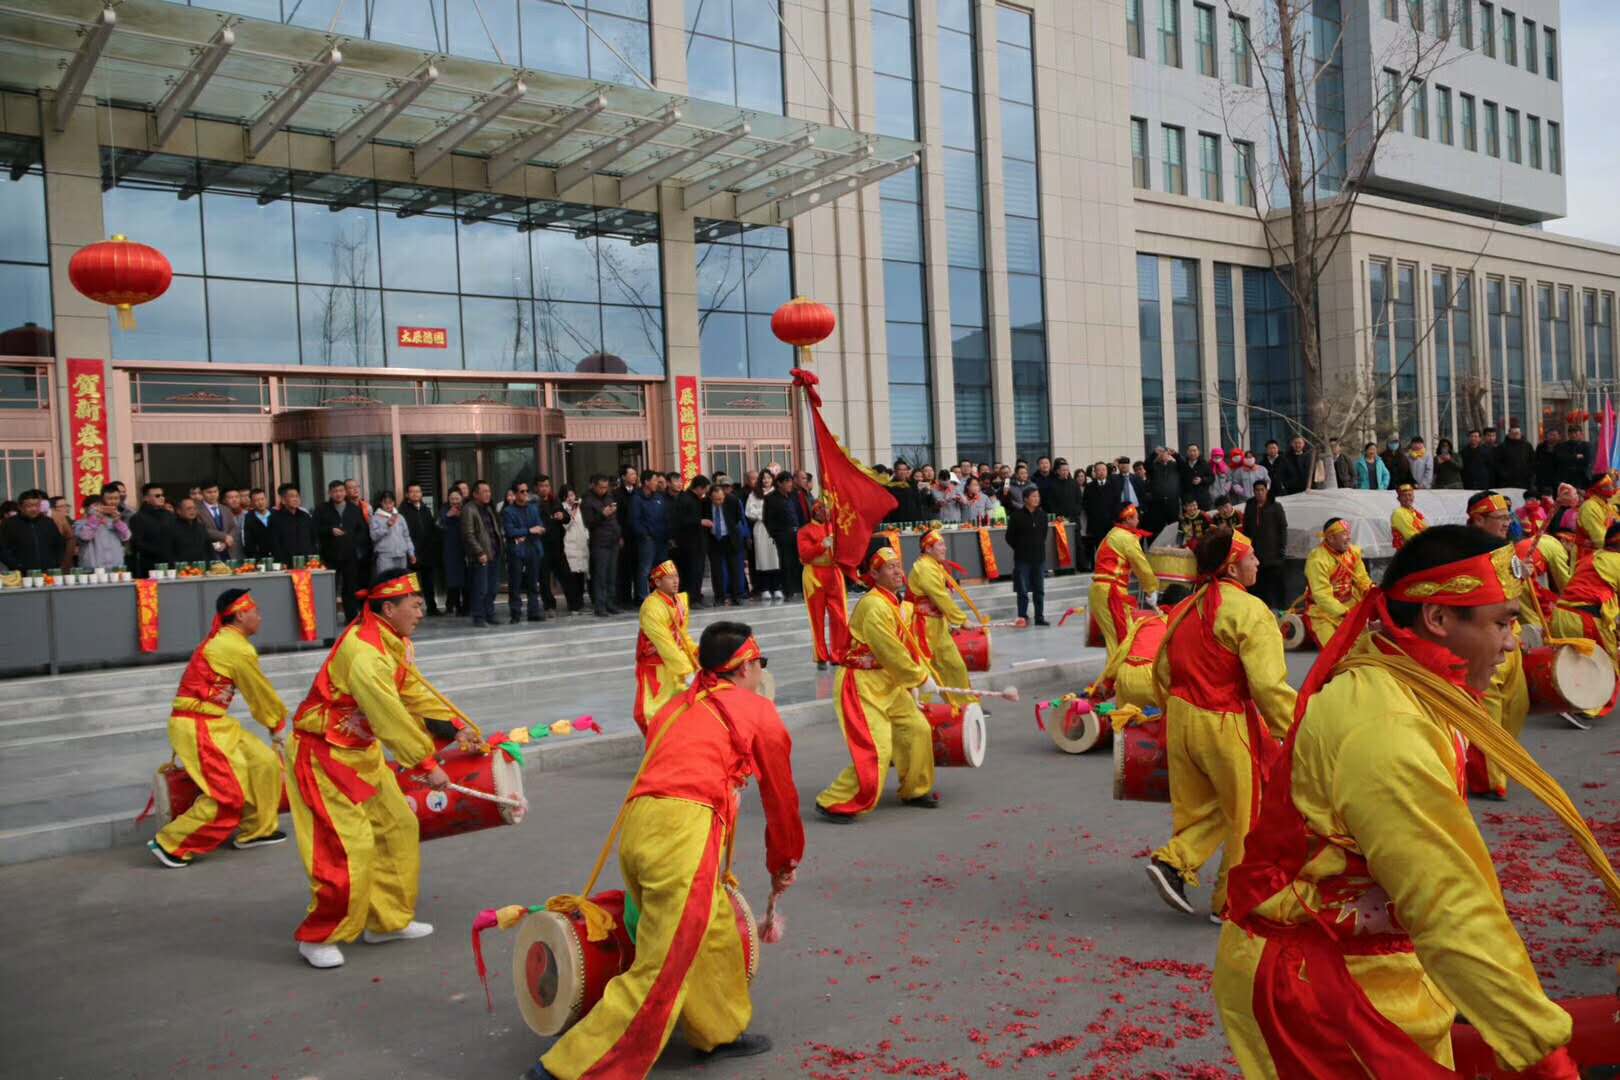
(423,337)
(87,425)
(688,445)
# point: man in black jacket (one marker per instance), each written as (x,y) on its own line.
(151,532)
(1164,481)
(1574,458)
(1515,463)
(1026,535)
(1297,465)
(424,530)
(1099,501)
(908,504)
(600,509)
(1196,476)
(1478,463)
(555,519)
(292,529)
(30,540)
(255,525)
(192,544)
(782,522)
(1546,471)
(338,527)
(722,541)
(624,581)
(687,531)
(1266,525)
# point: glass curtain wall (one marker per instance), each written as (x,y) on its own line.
(1408,405)
(1275,369)
(1226,358)
(1185,327)
(743,277)
(1148,340)
(1440,297)
(25,275)
(734,53)
(1378,308)
(964,231)
(1328,54)
(1021,182)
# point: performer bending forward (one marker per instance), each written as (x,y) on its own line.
(674,849)
(238,778)
(666,655)
(1224,682)
(356,832)
(1366,913)
(935,614)
(876,710)
(1118,557)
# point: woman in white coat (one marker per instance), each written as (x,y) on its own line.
(576,547)
(767,575)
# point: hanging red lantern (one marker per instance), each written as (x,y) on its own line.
(121,273)
(802,323)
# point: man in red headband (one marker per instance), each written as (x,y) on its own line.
(1597,512)
(1118,557)
(1508,698)
(1224,684)
(238,778)
(1407,520)
(935,614)
(1335,581)
(824,594)
(357,834)
(666,655)
(1366,912)
(872,695)
(674,851)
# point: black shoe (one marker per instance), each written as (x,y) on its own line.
(1489,796)
(835,817)
(601,614)
(537,618)
(1039,621)
(929,801)
(479,622)
(742,1046)
(821,665)
(614,611)
(1171,885)
(515,619)
(277,837)
(538,1071)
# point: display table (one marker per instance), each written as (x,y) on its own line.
(962,547)
(88,626)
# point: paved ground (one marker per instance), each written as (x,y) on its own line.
(1010,931)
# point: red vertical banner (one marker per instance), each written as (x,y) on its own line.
(688,436)
(87,426)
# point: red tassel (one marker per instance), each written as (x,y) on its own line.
(484,921)
(151,803)
(1041,707)
(773,926)
(1066,614)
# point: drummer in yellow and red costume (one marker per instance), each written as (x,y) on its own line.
(356,833)
(824,595)
(1118,557)
(674,846)
(1508,697)
(1590,603)
(238,777)
(872,695)
(1366,912)
(1335,580)
(1597,512)
(1223,681)
(1407,520)
(666,655)
(935,613)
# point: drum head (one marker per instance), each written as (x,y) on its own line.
(509,784)
(548,973)
(747,929)
(1075,734)
(974,735)
(1119,766)
(1293,630)
(1587,682)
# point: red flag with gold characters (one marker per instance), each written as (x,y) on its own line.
(856,499)
(146,613)
(304,601)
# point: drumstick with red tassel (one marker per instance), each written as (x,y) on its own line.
(1009,694)
(773,926)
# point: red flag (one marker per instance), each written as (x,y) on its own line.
(857,499)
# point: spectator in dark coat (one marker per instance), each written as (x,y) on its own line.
(338,526)
(1448,474)
(31,540)
(687,532)
(1398,464)
(1164,484)
(601,512)
(453,554)
(1478,463)
(1344,471)
(292,528)
(1100,500)
(1546,471)
(782,522)
(1026,535)
(1515,462)
(1295,469)
(908,500)
(1062,496)
(555,517)
(424,530)
(1574,458)
(192,544)
(255,526)
(1265,523)
(649,526)
(722,527)
(151,532)
(482,537)
(1197,476)
(625,571)
(1271,461)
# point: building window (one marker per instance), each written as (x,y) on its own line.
(964,232)
(1442,113)
(894,69)
(25,276)
(1513,137)
(1271,344)
(1226,359)
(1414,13)
(1025,277)
(1462,328)
(1378,307)
(1470,138)
(22,469)
(1187,343)
(1532,61)
(1487,28)
(1465,22)
(1442,18)
(1327,54)
(1243,159)
(1555,149)
(1510,37)
(1139,153)
(1209,165)
(1205,16)
(1563,345)
(1420,108)
(1533,130)
(1513,337)
(734,54)
(1390,106)
(1170,32)
(1242,55)
(1551,36)
(1133,27)
(1597,326)
(1493,142)
(743,276)
(1408,407)
(1150,349)
(1553,333)
(1392,9)
(1440,295)
(1175,157)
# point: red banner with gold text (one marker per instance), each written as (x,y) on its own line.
(1061,531)
(146,613)
(304,600)
(987,551)
(87,426)
(688,435)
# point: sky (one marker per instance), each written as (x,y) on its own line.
(1590,46)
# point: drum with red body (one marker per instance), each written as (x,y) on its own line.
(1594,1046)
(1142,761)
(973,642)
(173,792)
(1561,679)
(959,734)
(449,813)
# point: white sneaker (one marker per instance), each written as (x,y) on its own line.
(780,599)
(320,956)
(411,932)
(1216,919)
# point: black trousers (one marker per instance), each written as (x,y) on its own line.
(350,580)
(604,572)
(425,574)
(1268,586)
(787,553)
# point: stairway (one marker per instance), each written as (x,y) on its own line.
(78,751)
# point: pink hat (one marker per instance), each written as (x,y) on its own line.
(1217,453)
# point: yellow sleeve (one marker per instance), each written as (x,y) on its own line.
(1249,629)
(1404,522)
(233,656)
(1558,564)
(686,635)
(1131,548)
(1396,792)
(1594,520)
(876,624)
(659,626)
(928,579)
(371,682)
(1607,565)
(1319,578)
(422,699)
(1363,581)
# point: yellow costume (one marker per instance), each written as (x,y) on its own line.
(238,777)
(1131,669)
(1334,584)
(1593,520)
(666,655)
(1508,702)
(1118,557)
(356,833)
(876,711)
(1590,602)
(935,615)
(1224,686)
(1405,523)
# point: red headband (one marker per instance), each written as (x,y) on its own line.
(393,588)
(1490,504)
(748,650)
(235,607)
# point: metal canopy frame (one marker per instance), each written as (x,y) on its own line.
(372,120)
(524,148)
(183,95)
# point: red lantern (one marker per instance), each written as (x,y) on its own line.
(122,273)
(803,323)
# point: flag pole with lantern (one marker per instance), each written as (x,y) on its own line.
(856,499)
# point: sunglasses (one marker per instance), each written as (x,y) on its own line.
(763,662)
